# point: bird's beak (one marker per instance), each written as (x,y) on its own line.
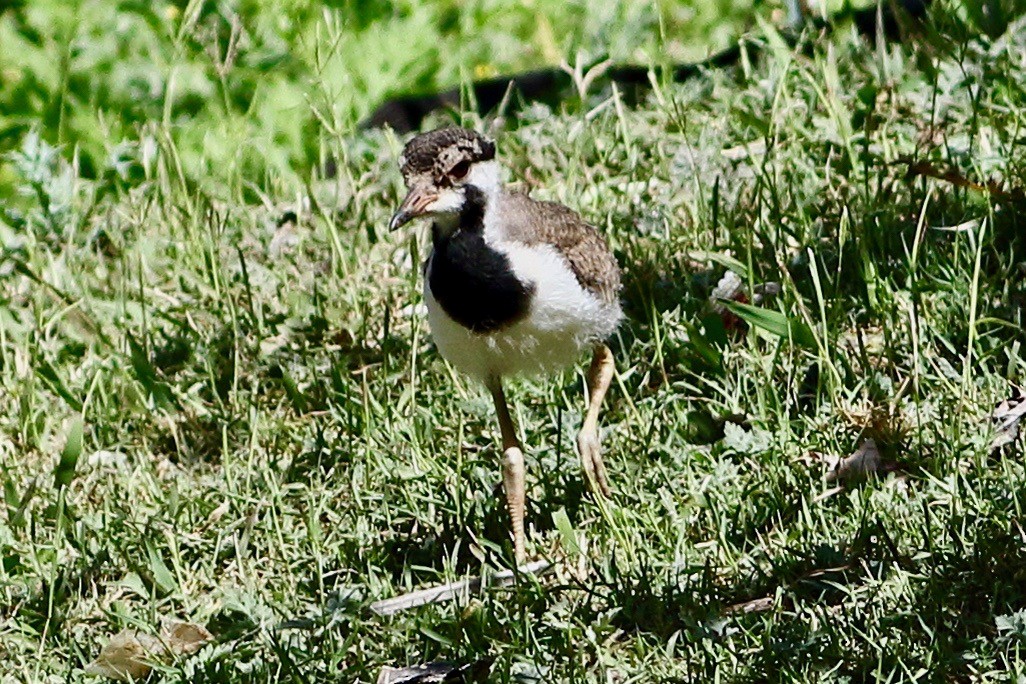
(417,200)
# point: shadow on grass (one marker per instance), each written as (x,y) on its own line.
(804,612)
(422,551)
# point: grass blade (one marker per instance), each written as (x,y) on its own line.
(774,322)
(64,473)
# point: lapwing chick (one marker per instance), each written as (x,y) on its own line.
(513,286)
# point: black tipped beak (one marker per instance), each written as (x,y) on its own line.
(416,203)
(400,219)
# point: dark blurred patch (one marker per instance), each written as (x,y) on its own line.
(437,672)
(405,113)
(894,21)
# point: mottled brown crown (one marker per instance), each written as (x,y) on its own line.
(423,153)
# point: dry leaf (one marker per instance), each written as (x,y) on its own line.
(127,656)
(130,654)
(184,638)
(759,605)
(1006,418)
(863,462)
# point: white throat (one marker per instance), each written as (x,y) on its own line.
(487,177)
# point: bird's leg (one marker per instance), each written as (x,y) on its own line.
(512,469)
(599,376)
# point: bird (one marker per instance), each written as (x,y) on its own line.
(513,286)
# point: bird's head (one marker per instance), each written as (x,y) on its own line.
(439,167)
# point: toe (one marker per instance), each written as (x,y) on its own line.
(591,461)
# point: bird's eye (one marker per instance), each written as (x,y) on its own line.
(460,170)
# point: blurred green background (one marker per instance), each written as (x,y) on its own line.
(259,84)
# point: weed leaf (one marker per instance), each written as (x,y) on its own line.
(566,531)
(64,473)
(146,374)
(162,575)
(774,322)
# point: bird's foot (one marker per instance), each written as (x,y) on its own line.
(591,461)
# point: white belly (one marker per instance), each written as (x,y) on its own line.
(563,320)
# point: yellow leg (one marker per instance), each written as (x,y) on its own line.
(513,469)
(599,377)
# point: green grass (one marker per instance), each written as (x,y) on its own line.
(257,86)
(269,442)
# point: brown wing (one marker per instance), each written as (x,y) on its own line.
(532,222)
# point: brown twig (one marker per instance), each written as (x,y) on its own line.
(996,189)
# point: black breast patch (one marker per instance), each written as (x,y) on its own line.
(473,283)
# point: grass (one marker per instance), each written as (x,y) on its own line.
(210,416)
(257,86)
